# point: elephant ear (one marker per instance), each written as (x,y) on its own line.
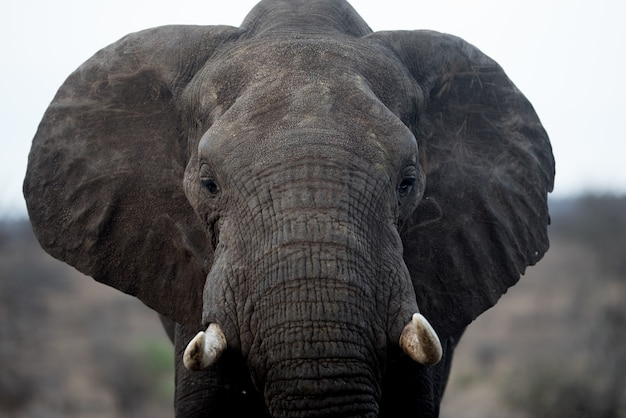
(104,184)
(489,168)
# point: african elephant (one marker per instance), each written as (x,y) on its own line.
(296,196)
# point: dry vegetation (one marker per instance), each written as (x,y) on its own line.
(554,347)
(71,347)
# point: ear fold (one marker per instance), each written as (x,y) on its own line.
(104,185)
(489,167)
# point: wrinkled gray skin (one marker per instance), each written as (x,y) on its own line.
(307,185)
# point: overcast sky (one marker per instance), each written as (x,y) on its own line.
(568,57)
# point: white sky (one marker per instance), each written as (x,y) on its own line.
(567,56)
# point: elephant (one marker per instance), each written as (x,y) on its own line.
(316,211)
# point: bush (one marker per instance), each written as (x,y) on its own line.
(136,375)
(598,222)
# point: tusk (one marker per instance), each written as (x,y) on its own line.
(205,348)
(420,341)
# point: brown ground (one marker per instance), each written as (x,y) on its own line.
(70,347)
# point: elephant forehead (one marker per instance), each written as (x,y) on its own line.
(271,97)
(307,122)
(331,67)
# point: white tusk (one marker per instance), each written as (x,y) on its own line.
(205,348)
(420,341)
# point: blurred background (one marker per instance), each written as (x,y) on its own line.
(555,345)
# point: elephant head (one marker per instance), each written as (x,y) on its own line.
(304,189)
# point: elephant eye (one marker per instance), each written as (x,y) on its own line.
(207,179)
(406,185)
(209,185)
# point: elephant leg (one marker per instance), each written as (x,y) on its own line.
(222,390)
(411,389)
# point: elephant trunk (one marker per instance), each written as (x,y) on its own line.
(319,326)
(321,387)
(311,357)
